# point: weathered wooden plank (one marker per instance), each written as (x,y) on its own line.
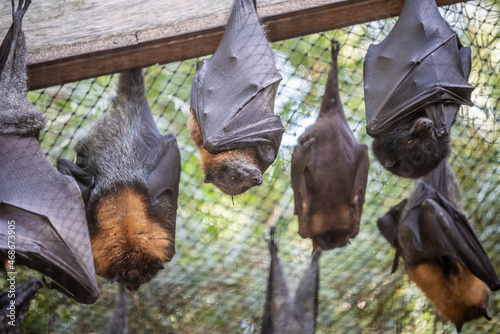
(87,39)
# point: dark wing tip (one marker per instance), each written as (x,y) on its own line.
(273,246)
(272,230)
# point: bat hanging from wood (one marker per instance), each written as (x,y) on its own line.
(42,214)
(442,254)
(12,315)
(129,177)
(329,173)
(415,81)
(232,101)
(281,314)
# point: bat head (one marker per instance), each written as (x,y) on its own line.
(331,225)
(412,149)
(233,172)
(129,242)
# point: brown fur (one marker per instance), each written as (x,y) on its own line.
(212,161)
(214,165)
(459,298)
(127,242)
(328,235)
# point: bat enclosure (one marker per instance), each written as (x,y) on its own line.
(216,282)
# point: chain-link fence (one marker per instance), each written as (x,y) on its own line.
(217,280)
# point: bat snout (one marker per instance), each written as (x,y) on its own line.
(257,180)
(423,127)
(133,279)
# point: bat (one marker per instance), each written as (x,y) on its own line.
(15,303)
(415,81)
(42,212)
(232,101)
(281,315)
(329,173)
(129,175)
(442,254)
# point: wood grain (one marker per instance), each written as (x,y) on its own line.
(85,39)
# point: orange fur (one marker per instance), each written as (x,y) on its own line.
(127,240)
(213,161)
(457,298)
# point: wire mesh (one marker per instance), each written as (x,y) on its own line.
(217,280)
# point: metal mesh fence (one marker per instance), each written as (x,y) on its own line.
(217,280)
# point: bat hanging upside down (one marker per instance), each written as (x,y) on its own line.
(442,254)
(129,177)
(415,81)
(329,173)
(281,314)
(232,101)
(42,214)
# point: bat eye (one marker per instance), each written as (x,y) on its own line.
(428,147)
(233,178)
(410,142)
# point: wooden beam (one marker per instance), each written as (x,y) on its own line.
(195,37)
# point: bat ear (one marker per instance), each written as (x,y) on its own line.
(84,180)
(208,178)
(389,163)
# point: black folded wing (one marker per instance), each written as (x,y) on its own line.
(233,92)
(420,63)
(440,229)
(42,217)
(47,215)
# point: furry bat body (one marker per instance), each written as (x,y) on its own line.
(329,173)
(415,81)
(441,252)
(281,315)
(129,176)
(42,214)
(232,101)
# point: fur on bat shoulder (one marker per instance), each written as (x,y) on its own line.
(459,297)
(127,243)
(19,117)
(217,168)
